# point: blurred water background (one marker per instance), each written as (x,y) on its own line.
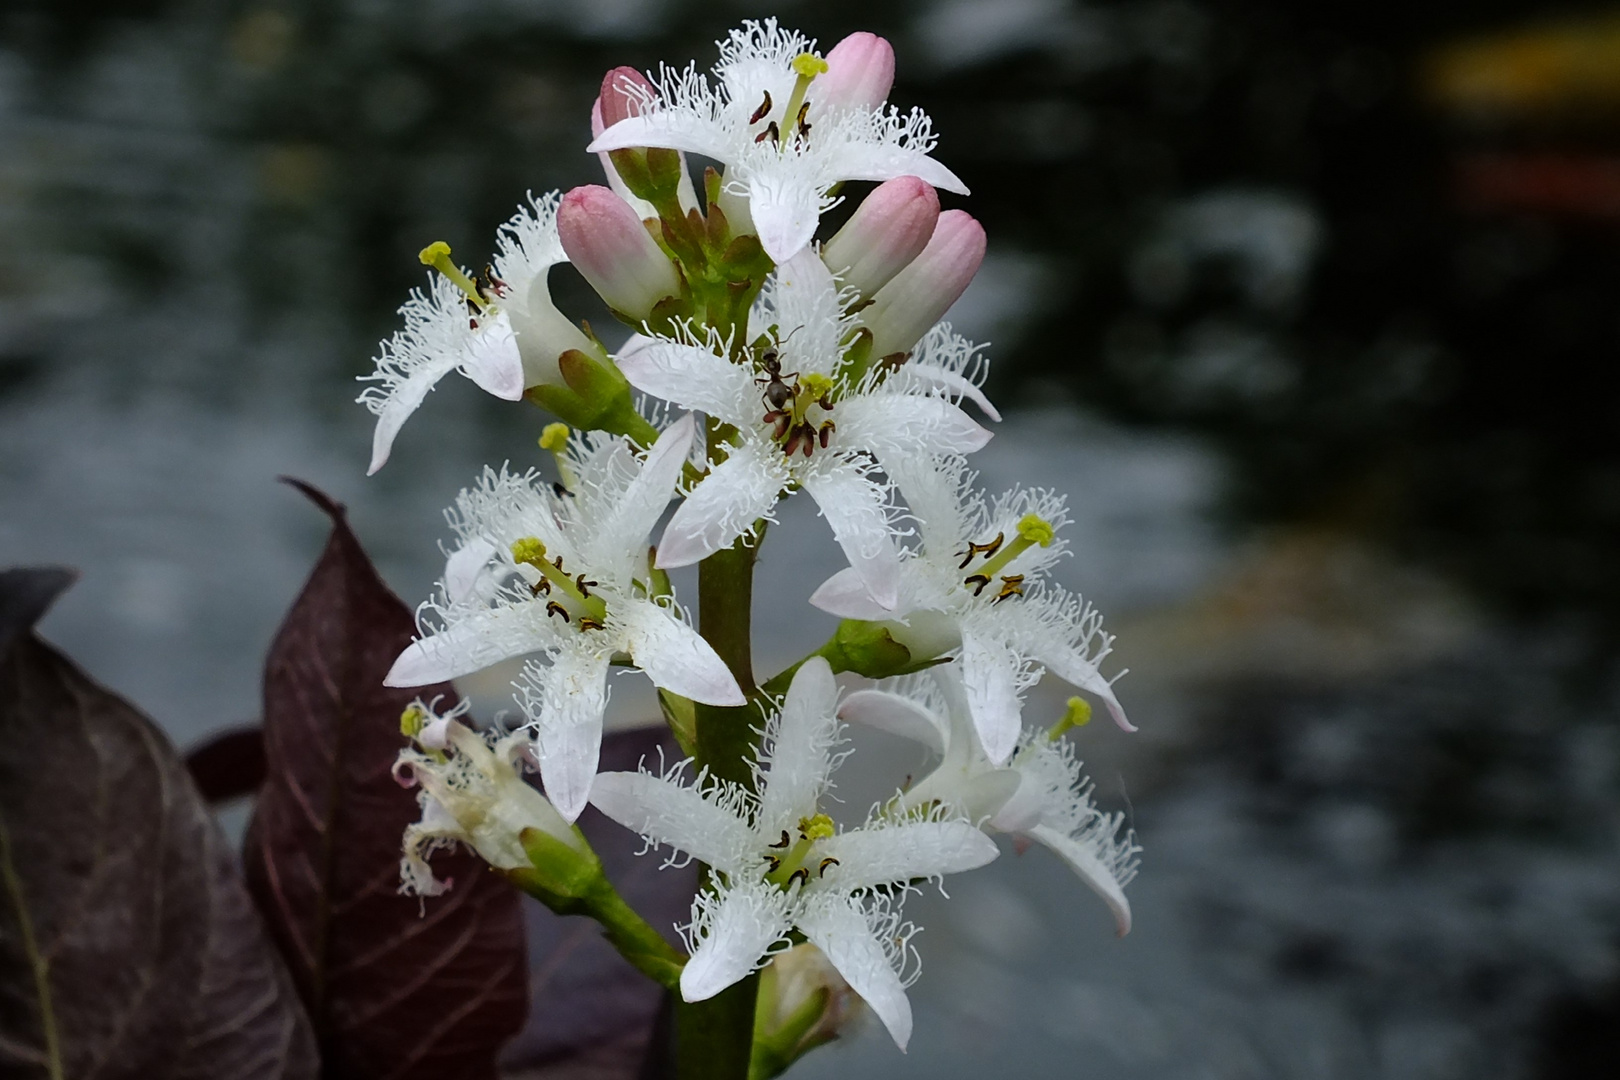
(1306,306)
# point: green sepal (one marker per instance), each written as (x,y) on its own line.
(711,187)
(681,715)
(566,872)
(775,1050)
(868,649)
(664,174)
(632,166)
(857,358)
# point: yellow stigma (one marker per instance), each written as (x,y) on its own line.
(819,827)
(412,720)
(554,438)
(1078,715)
(528,550)
(809,65)
(437,255)
(1036,529)
(815,385)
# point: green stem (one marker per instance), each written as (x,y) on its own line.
(715,1038)
(623,926)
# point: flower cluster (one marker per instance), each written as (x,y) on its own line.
(762,363)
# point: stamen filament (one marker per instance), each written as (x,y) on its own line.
(808,66)
(531,552)
(1032,530)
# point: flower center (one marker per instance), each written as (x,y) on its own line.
(789,407)
(1032,529)
(569,597)
(797,856)
(796,116)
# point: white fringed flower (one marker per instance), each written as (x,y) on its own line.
(817,427)
(763,122)
(505,338)
(974,584)
(782,864)
(473,796)
(564,572)
(1039,794)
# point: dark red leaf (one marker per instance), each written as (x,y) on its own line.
(397,988)
(591,1013)
(228,765)
(128,946)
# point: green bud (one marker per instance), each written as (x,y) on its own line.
(867,648)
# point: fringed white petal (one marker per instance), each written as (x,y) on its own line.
(673,129)
(954,382)
(565,701)
(893,854)
(643,500)
(896,714)
(786,210)
(724,505)
(846,595)
(477,640)
(899,427)
(673,655)
(857,509)
(863,955)
(798,753)
(706,824)
(990,676)
(693,377)
(884,162)
(731,934)
(466,571)
(1096,866)
(492,360)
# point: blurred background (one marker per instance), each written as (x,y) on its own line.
(1306,306)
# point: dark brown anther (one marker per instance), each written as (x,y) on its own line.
(588,623)
(784,842)
(1010,586)
(494,285)
(583,585)
(801,875)
(770,133)
(554,608)
(558,489)
(978,581)
(792,443)
(557,562)
(763,110)
(987,550)
(543,586)
(802,123)
(775,864)
(826,432)
(828,861)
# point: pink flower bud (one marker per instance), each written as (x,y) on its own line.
(621,96)
(889,229)
(641,206)
(608,244)
(904,309)
(860,71)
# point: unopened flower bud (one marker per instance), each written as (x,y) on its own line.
(904,309)
(625,93)
(890,228)
(803,1003)
(608,244)
(860,71)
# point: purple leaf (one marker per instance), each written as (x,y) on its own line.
(591,1013)
(228,765)
(128,945)
(397,988)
